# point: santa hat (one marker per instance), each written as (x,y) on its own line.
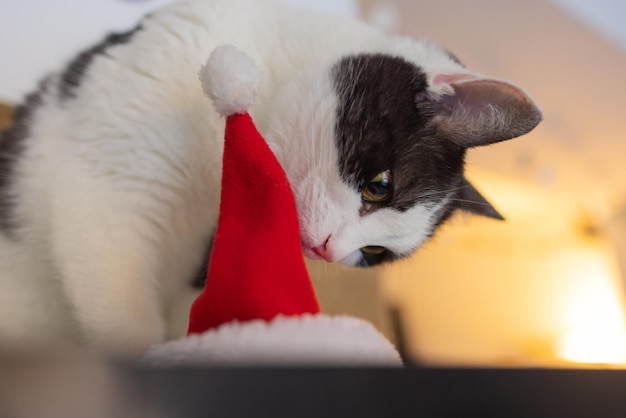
(258,305)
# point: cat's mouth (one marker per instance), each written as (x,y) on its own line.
(313,253)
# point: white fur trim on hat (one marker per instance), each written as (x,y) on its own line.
(231,79)
(295,340)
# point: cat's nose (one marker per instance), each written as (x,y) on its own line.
(323,251)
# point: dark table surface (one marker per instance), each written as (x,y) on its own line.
(410,392)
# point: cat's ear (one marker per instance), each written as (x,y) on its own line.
(479,111)
(468,199)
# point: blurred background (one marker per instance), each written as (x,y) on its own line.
(544,288)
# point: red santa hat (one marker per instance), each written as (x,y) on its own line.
(258,305)
(256,269)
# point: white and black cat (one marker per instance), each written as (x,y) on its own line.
(110,178)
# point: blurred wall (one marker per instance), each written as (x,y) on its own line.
(38,36)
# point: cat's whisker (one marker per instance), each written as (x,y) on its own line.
(440,192)
(473,202)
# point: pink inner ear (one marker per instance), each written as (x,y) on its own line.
(452,78)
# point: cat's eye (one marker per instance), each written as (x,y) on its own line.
(373,250)
(379,189)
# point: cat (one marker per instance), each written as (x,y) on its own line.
(110,176)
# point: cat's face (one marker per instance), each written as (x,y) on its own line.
(375,152)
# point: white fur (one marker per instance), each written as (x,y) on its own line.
(304,340)
(118,189)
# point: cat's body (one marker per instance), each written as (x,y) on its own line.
(109,183)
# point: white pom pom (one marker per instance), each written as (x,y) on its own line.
(231,79)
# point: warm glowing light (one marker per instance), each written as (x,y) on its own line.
(542,288)
(596,333)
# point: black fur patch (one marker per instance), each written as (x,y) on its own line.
(73,75)
(383,123)
(11,148)
(199,279)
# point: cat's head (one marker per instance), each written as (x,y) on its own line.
(375,149)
